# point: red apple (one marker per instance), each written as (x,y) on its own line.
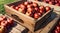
(56,1)
(36,8)
(36,16)
(4,23)
(34,4)
(16,7)
(10,20)
(20,10)
(28,13)
(1,19)
(59,1)
(1,29)
(57,4)
(47,8)
(29,6)
(56,31)
(29,9)
(26,3)
(58,28)
(41,8)
(40,14)
(50,2)
(41,11)
(22,6)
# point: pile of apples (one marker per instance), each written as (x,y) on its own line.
(31,9)
(53,2)
(57,28)
(5,22)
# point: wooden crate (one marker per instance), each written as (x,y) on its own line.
(50,26)
(17,28)
(27,21)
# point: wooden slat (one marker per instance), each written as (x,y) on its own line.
(14,30)
(19,27)
(49,26)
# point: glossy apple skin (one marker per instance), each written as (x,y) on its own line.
(25,3)
(41,8)
(47,8)
(51,3)
(28,13)
(1,19)
(29,6)
(35,4)
(10,20)
(57,4)
(36,16)
(29,10)
(4,23)
(1,29)
(17,8)
(41,11)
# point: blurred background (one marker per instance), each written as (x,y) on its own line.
(2,2)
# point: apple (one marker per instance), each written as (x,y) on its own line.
(56,1)
(47,8)
(16,7)
(41,8)
(36,16)
(59,1)
(4,23)
(28,13)
(26,3)
(35,4)
(57,4)
(56,31)
(1,19)
(40,14)
(36,8)
(29,6)
(1,29)
(29,9)
(58,28)
(22,6)
(41,11)
(22,10)
(10,20)
(50,2)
